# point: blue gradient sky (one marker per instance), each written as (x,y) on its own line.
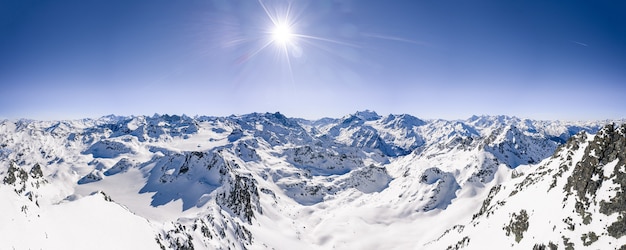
(433,59)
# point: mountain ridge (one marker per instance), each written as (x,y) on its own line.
(252,181)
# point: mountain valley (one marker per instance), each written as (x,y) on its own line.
(266,181)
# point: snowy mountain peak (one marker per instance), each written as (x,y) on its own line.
(569,201)
(367,115)
(403,120)
(264,180)
(487,121)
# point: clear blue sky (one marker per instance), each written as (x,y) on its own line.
(432,59)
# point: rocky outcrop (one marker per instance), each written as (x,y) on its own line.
(607,147)
(241,197)
(518,225)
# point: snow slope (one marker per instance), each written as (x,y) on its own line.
(573,199)
(263,181)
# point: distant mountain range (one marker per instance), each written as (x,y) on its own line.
(266,181)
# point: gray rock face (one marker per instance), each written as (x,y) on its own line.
(585,180)
(612,147)
(487,208)
(241,197)
(609,145)
(518,225)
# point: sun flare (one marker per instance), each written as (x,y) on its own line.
(283,30)
(282,34)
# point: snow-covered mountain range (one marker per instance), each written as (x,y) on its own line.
(266,181)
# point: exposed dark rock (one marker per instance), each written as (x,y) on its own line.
(618,228)
(10,178)
(15,174)
(550,246)
(89,178)
(485,208)
(615,149)
(608,145)
(177,238)
(569,223)
(589,238)
(161,246)
(104,195)
(518,225)
(458,228)
(242,197)
(516,174)
(268,192)
(120,167)
(460,244)
(530,179)
(519,149)
(36,172)
(568,245)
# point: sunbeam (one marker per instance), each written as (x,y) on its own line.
(283,32)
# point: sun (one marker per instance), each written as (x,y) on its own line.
(282,34)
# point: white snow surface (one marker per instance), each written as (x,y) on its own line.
(265,181)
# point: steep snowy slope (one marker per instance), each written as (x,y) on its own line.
(261,181)
(571,200)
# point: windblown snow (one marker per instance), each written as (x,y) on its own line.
(266,181)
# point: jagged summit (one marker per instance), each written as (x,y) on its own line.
(367,115)
(264,180)
(571,200)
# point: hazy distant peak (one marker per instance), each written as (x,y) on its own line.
(367,115)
